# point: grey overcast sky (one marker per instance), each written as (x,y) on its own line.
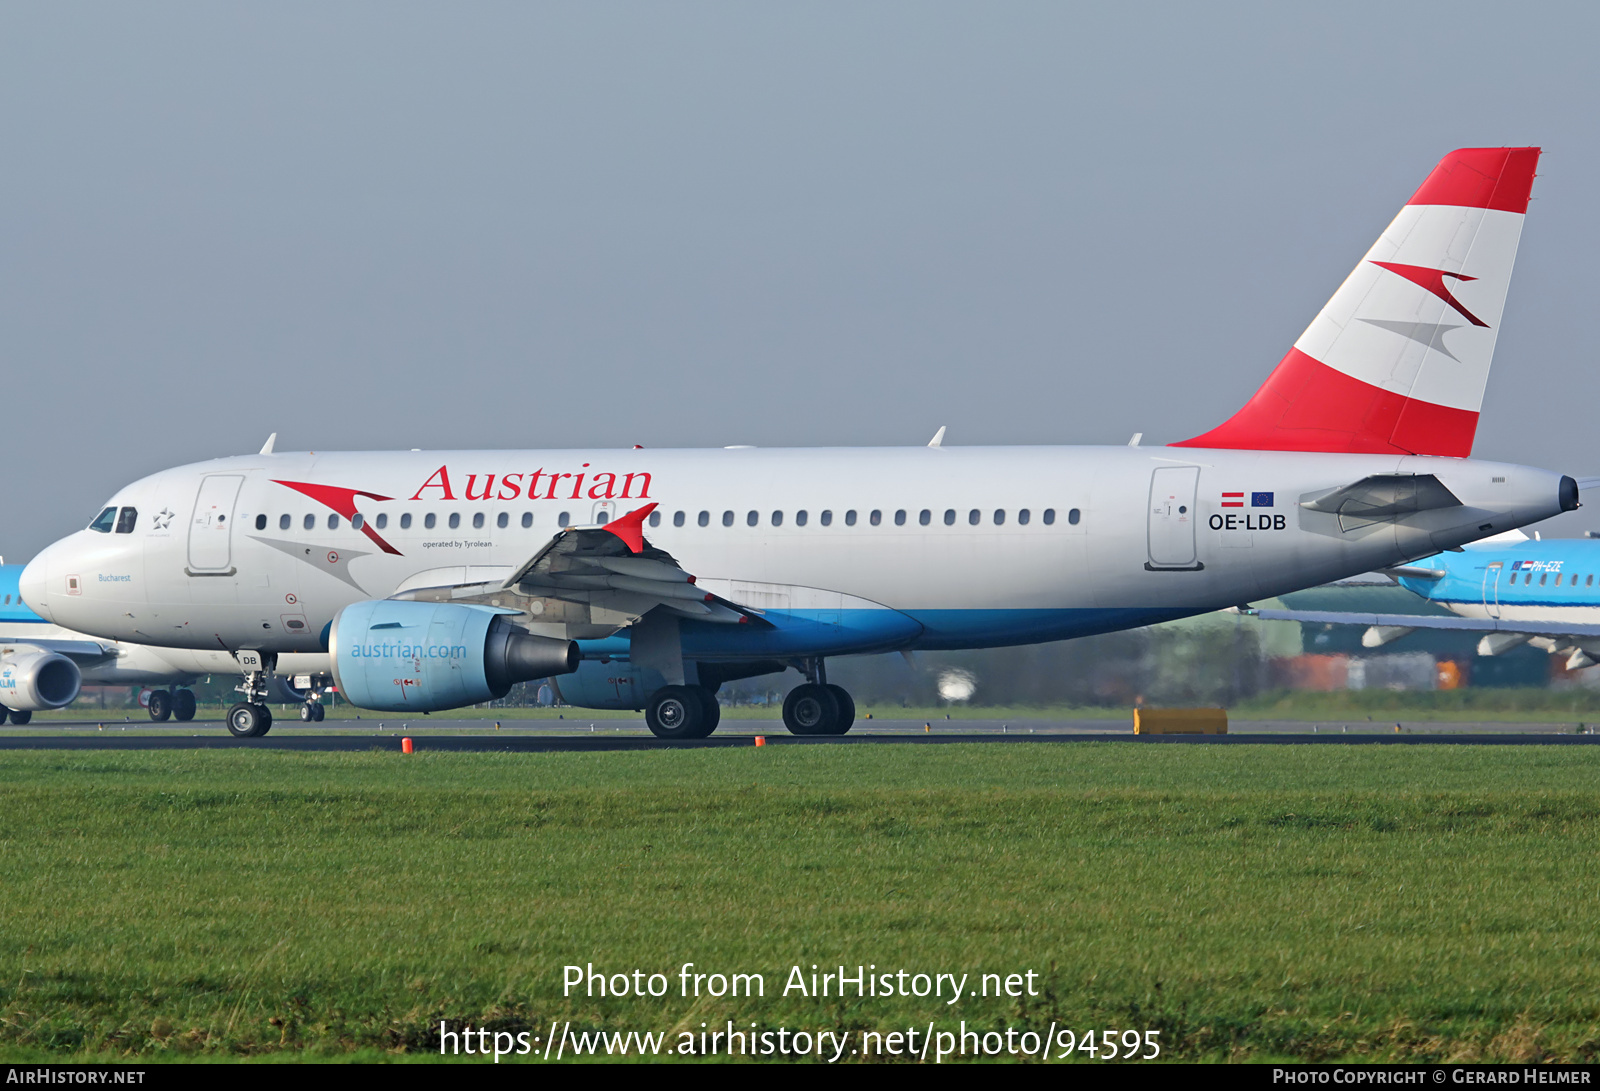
(480,225)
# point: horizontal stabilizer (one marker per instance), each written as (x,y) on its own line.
(1383,497)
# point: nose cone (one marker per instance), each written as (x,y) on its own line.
(34,582)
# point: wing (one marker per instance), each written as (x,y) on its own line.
(1411,622)
(83,652)
(586,583)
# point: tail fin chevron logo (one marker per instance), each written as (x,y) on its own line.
(1433,281)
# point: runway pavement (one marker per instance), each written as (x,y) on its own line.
(534,736)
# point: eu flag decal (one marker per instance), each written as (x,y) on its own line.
(1261,500)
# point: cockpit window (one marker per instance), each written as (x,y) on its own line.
(126,519)
(104,521)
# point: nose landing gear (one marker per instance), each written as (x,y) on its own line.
(251,718)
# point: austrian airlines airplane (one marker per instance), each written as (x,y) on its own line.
(645,579)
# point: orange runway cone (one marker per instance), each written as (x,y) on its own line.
(405,746)
(761,740)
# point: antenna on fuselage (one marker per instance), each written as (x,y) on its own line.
(938,438)
(266,448)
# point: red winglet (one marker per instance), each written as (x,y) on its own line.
(630,527)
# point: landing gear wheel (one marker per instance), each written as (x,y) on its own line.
(810,709)
(20,718)
(320,712)
(713,710)
(677,712)
(249,721)
(308,714)
(183,705)
(847,710)
(160,706)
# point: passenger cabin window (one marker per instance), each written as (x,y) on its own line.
(405,521)
(999,516)
(704,519)
(1072,517)
(727,518)
(800,517)
(900,518)
(358,520)
(455,520)
(1588,581)
(309,522)
(383,520)
(777,518)
(826,518)
(284,521)
(104,521)
(1049,516)
(1543,577)
(752,518)
(261,522)
(850,518)
(477,520)
(429,520)
(502,520)
(974,516)
(563,519)
(333,522)
(876,518)
(926,517)
(655,518)
(1023,516)
(677,519)
(527,519)
(950,517)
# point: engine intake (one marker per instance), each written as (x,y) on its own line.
(34,681)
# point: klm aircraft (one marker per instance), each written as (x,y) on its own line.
(1513,589)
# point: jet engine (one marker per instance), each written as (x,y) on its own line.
(37,680)
(402,656)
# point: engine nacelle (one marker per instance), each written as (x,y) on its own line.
(401,656)
(608,685)
(34,681)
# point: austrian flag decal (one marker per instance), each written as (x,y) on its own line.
(1257,500)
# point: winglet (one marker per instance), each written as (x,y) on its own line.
(630,527)
(938,438)
(266,448)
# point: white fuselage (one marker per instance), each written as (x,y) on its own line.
(222,556)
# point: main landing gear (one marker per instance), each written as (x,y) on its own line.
(812,708)
(682,712)
(815,707)
(251,718)
(175,704)
(16,717)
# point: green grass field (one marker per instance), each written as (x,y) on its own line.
(1250,903)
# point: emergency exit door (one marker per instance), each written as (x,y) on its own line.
(1172,518)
